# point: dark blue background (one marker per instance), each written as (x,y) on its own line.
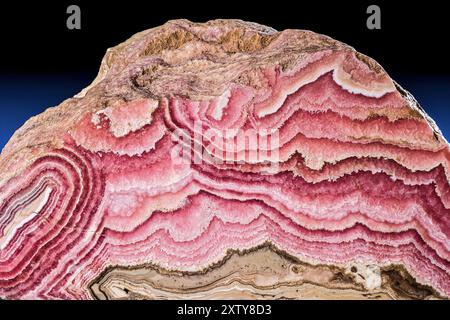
(433,94)
(23,96)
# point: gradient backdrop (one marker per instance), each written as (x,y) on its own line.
(43,63)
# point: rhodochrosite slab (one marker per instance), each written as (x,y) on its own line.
(228,160)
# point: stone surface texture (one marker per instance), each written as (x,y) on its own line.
(346,195)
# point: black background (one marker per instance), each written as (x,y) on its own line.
(281,309)
(34,36)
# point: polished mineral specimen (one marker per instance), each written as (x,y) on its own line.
(228,160)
